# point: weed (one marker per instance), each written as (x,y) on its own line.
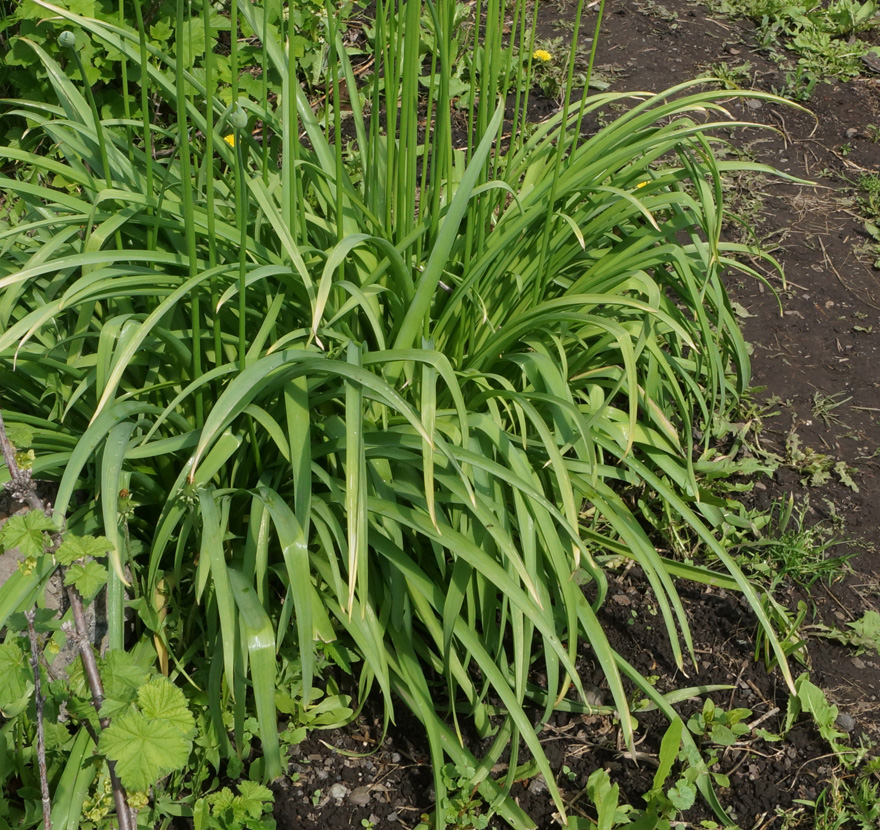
(815,467)
(463,808)
(718,726)
(778,546)
(732,76)
(821,35)
(824,407)
(863,634)
(869,194)
(799,85)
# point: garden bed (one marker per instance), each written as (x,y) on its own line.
(820,349)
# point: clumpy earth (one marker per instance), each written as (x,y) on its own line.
(818,415)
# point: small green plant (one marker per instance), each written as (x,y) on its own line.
(863,634)
(665,800)
(815,467)
(463,808)
(732,76)
(810,699)
(251,809)
(718,726)
(799,85)
(869,194)
(779,545)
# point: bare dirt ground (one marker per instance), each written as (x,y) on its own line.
(817,362)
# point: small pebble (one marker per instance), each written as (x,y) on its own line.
(537,785)
(595,696)
(852,132)
(395,757)
(338,791)
(845,722)
(360,796)
(753,104)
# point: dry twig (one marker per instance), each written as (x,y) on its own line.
(41,733)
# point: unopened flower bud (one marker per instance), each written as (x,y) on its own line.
(238,118)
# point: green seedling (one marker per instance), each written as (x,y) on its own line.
(811,699)
(863,634)
(250,809)
(732,76)
(718,726)
(463,808)
(778,545)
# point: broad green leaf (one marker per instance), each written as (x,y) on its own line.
(88,579)
(162,700)
(19,436)
(78,547)
(682,795)
(27,532)
(145,749)
(122,675)
(16,677)
(254,798)
(45,619)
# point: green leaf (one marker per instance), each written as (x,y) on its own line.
(682,795)
(16,678)
(122,677)
(77,547)
(162,700)
(254,798)
(145,749)
(866,632)
(25,532)
(88,579)
(19,435)
(722,735)
(221,801)
(45,619)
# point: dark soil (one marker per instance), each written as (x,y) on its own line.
(822,346)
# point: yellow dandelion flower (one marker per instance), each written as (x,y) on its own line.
(542,55)
(230,139)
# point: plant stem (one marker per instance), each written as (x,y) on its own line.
(41,736)
(20,486)
(96,687)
